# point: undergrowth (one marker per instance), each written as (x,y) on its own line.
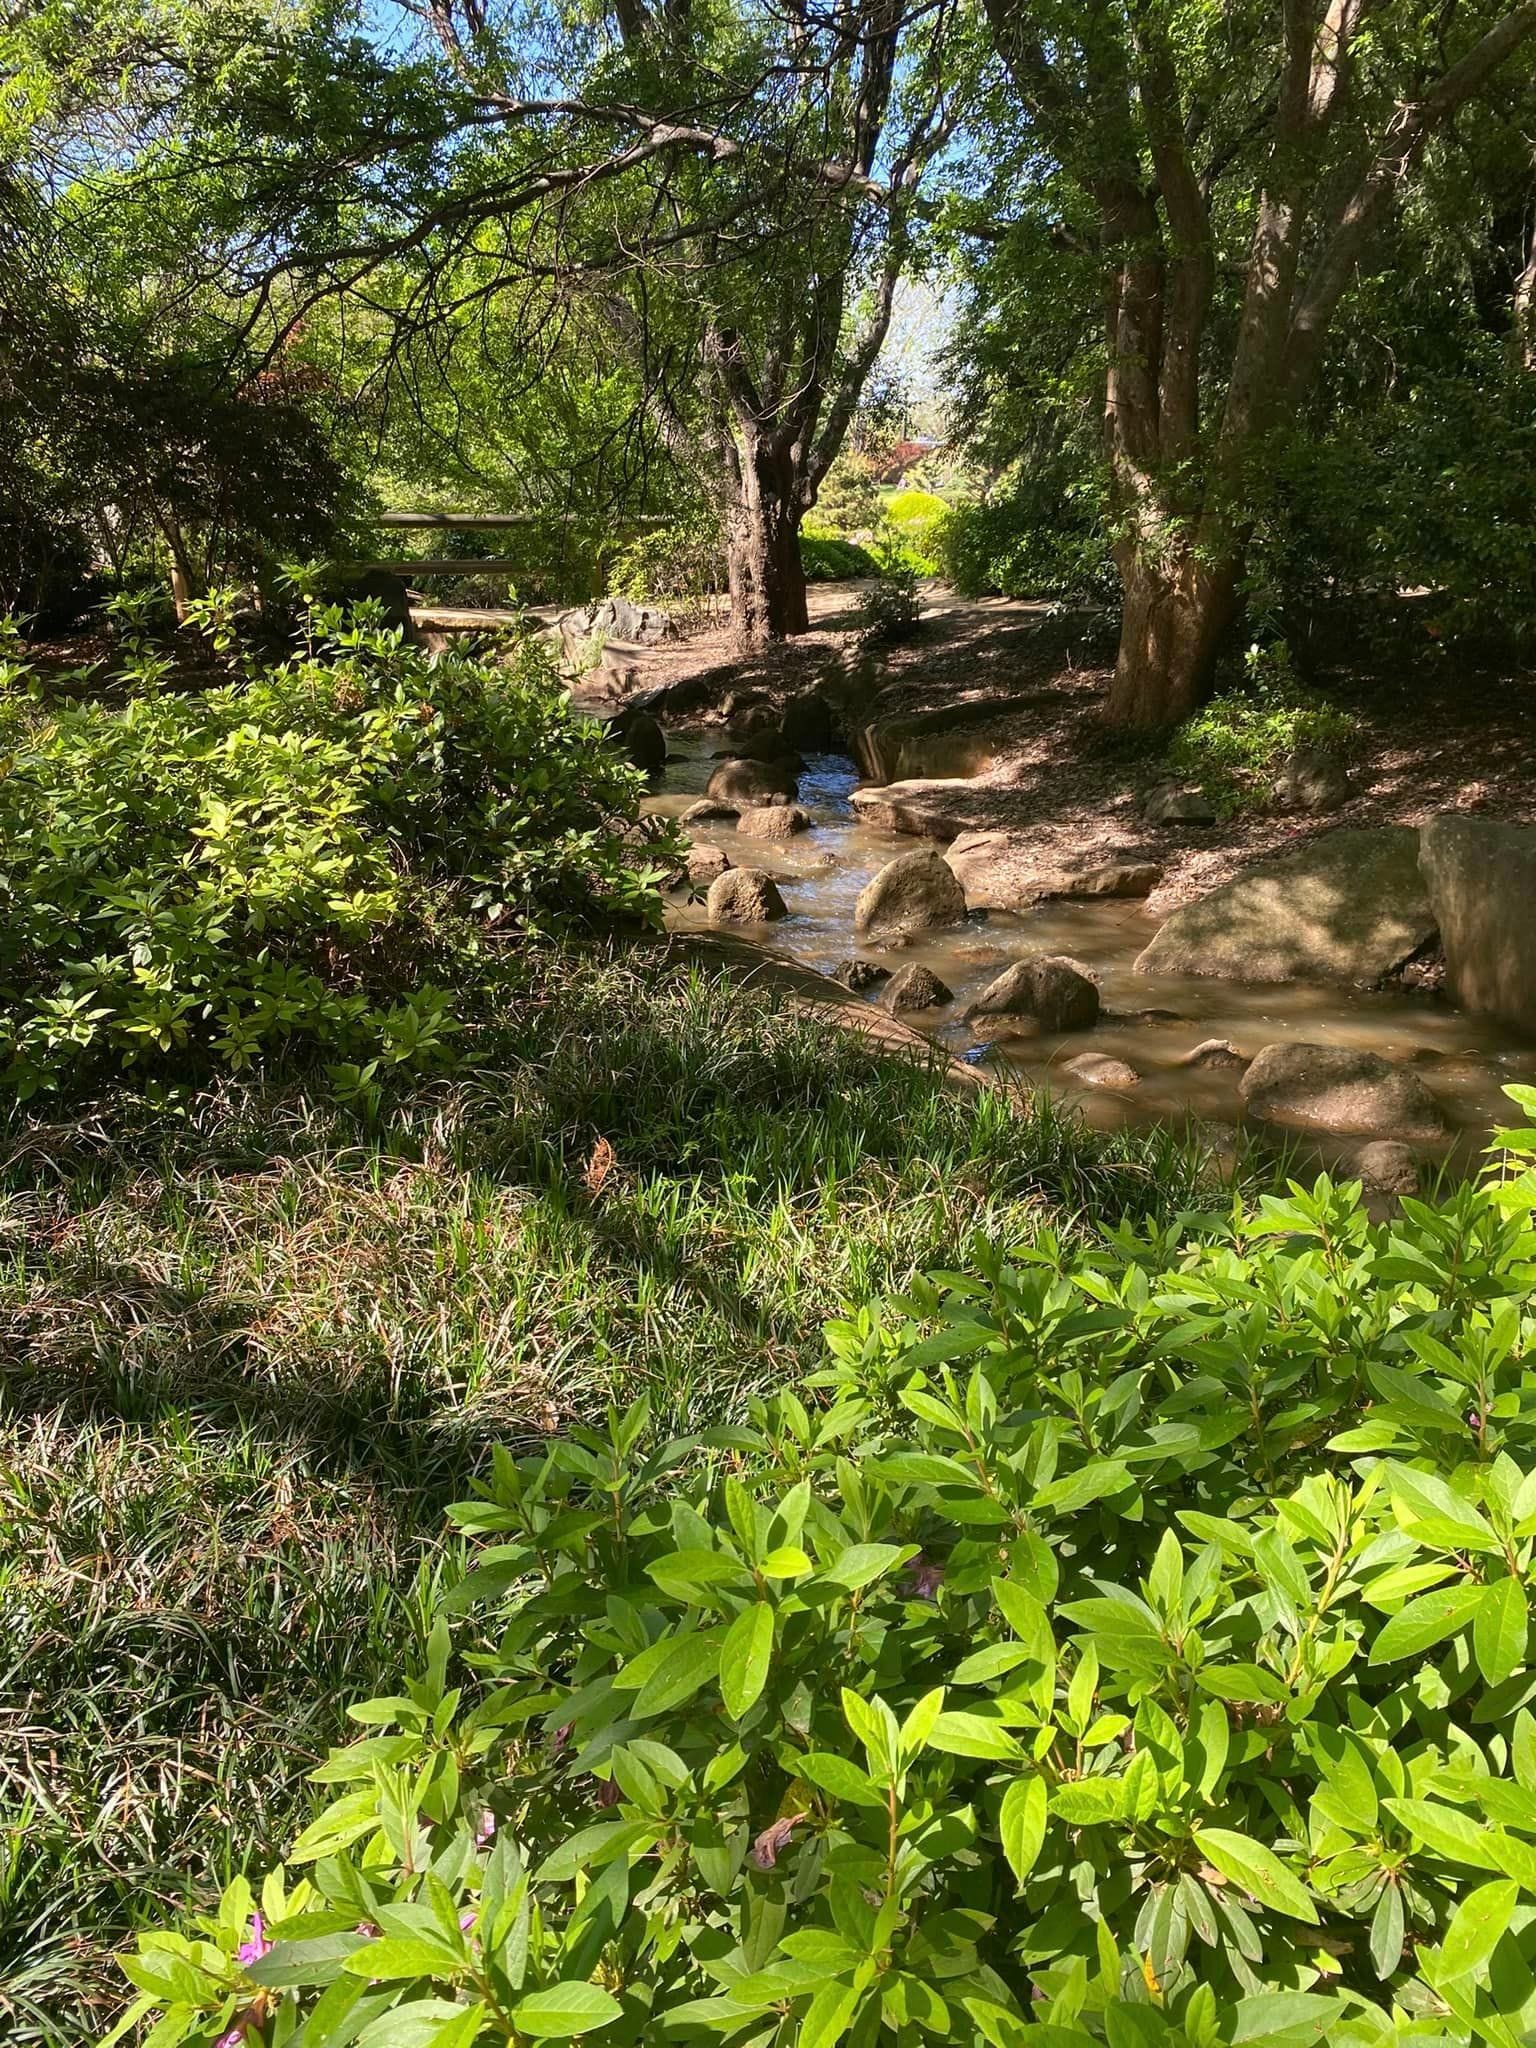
(256,1339)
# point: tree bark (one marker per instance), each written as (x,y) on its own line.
(767,579)
(1177,609)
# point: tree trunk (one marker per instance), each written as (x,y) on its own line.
(1176,611)
(767,580)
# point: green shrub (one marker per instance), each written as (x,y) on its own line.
(1130,1644)
(1236,742)
(890,609)
(300,856)
(916,521)
(828,559)
(681,564)
(1041,540)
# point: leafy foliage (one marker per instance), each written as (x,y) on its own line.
(890,609)
(826,558)
(1235,744)
(1134,1645)
(290,857)
(1042,539)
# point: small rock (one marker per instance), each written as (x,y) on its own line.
(744,896)
(743,703)
(916,987)
(1387,1168)
(1178,803)
(774,821)
(1311,779)
(707,809)
(755,718)
(1213,1052)
(859,975)
(1157,1017)
(1045,987)
(1337,1088)
(706,864)
(738,780)
(911,893)
(1098,1070)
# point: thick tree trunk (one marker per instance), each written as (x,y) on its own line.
(767,581)
(1177,610)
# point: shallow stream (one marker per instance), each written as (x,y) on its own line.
(1150,1021)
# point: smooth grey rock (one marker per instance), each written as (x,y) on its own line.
(913,892)
(1348,907)
(641,737)
(1338,1088)
(744,896)
(1045,987)
(707,809)
(1481,875)
(809,723)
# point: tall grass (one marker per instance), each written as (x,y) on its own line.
(255,1340)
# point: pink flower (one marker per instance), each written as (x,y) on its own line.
(467,1919)
(253,1949)
(773,1839)
(486,1831)
(924,1579)
(235,2035)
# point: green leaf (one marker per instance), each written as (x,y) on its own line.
(1446,1830)
(744,1658)
(562,2010)
(1499,1631)
(1257,1869)
(692,1663)
(861,1562)
(1387,1932)
(402,1955)
(1022,1824)
(971,1735)
(840,1776)
(1477,1926)
(787,1562)
(828,2015)
(1425,1622)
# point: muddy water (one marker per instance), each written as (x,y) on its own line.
(1151,1021)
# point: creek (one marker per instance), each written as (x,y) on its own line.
(1150,1021)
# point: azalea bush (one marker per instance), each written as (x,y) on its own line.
(299,855)
(1124,1641)
(1236,743)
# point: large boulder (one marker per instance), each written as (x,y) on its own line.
(767,744)
(744,896)
(1349,907)
(707,809)
(1047,988)
(911,893)
(747,782)
(1482,885)
(1338,1088)
(1001,870)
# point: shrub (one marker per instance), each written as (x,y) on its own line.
(890,609)
(294,857)
(1042,540)
(827,559)
(681,564)
(1238,740)
(1130,1644)
(915,522)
